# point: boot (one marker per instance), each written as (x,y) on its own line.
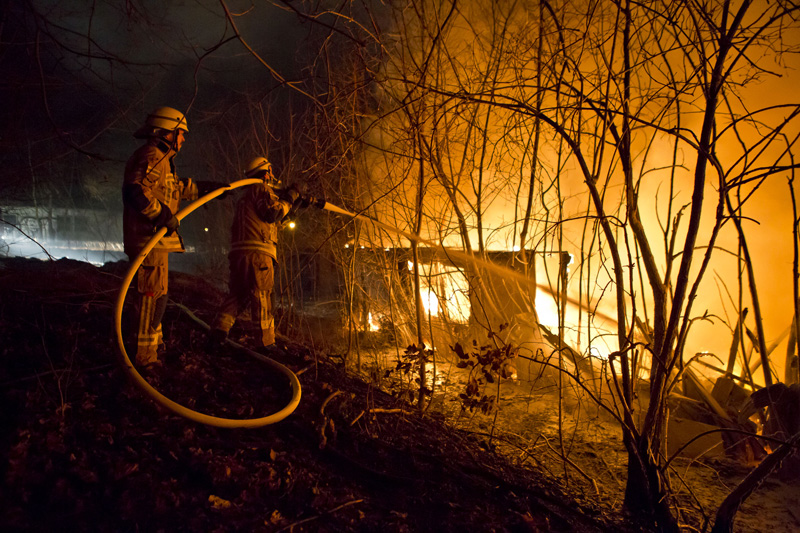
(270,350)
(147,357)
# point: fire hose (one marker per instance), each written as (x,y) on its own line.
(295,383)
(171,405)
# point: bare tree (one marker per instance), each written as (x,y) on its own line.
(623,134)
(644,104)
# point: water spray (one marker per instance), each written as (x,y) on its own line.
(160,398)
(497,269)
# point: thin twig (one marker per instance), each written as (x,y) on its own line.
(34,241)
(328,399)
(380,410)
(573,465)
(309,519)
(54,371)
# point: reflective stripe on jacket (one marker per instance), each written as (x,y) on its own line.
(149,182)
(256,222)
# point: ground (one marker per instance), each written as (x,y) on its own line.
(85,449)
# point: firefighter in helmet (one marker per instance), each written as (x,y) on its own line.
(151,195)
(259,214)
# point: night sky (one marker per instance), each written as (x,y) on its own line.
(81,76)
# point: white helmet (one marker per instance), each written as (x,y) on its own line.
(163,118)
(258,166)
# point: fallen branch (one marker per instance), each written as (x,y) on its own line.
(303,370)
(330,397)
(730,505)
(380,410)
(323,439)
(311,518)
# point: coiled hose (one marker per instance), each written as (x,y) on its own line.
(149,389)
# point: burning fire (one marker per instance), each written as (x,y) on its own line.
(373,325)
(444,291)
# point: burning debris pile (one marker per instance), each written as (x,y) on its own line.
(720,419)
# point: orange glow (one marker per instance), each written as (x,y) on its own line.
(444,290)
(373,326)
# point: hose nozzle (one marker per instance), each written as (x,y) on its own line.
(310,201)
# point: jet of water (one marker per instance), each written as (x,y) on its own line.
(503,271)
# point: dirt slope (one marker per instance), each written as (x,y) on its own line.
(83,449)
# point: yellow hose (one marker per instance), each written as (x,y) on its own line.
(160,398)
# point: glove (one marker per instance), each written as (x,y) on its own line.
(167,220)
(290,194)
(205,187)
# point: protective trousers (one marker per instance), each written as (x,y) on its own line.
(252,278)
(152,280)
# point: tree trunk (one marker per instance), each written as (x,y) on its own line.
(646,494)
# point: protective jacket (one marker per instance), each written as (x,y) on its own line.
(149,185)
(255,224)
(254,238)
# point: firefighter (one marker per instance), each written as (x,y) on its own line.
(260,213)
(151,195)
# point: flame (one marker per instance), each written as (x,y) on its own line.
(444,291)
(373,326)
(430,302)
(546,309)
